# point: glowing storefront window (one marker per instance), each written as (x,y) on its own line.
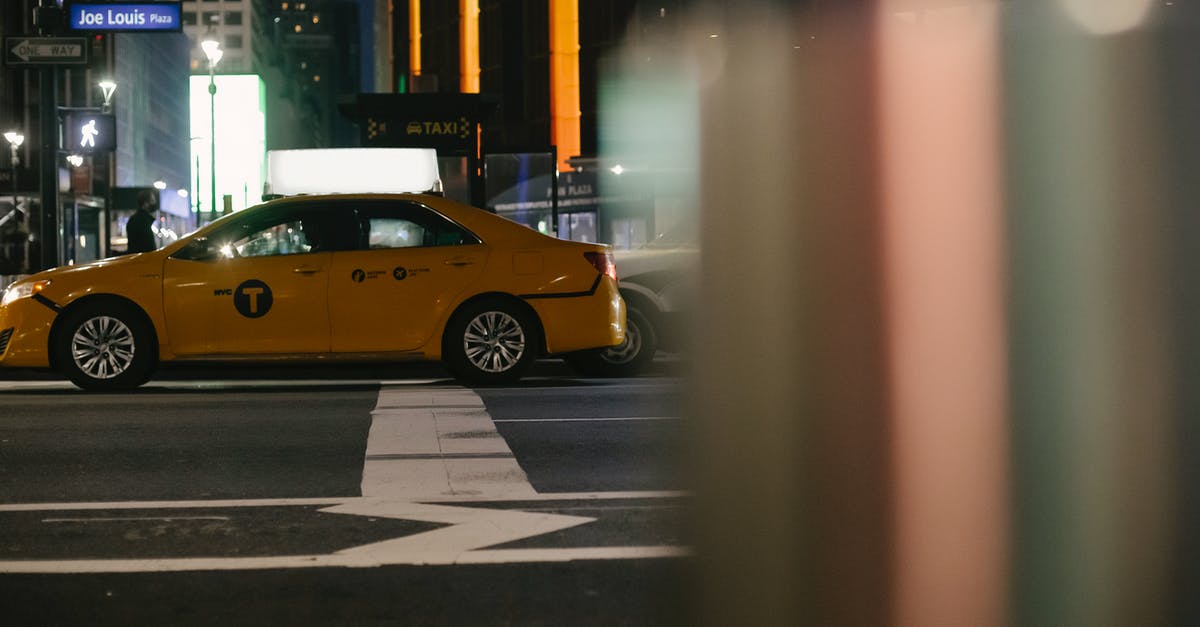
(240,140)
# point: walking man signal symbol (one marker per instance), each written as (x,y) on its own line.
(89,135)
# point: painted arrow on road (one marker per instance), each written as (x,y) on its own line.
(465,539)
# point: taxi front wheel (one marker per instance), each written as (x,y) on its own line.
(105,346)
(490,342)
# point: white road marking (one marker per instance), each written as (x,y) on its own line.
(427,446)
(464,541)
(131,519)
(629,419)
(436,442)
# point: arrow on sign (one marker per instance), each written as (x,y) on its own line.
(27,50)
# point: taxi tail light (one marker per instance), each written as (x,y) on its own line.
(603,262)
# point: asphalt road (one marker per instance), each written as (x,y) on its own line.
(252,496)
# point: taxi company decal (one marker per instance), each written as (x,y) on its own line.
(359,275)
(399,273)
(253,298)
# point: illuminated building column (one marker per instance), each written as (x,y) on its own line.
(414,37)
(564,79)
(468,38)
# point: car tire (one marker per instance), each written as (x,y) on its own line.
(631,358)
(490,342)
(105,346)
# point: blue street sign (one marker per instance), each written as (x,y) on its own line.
(128,16)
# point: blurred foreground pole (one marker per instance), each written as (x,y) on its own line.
(792,468)
(947,360)
(1094,197)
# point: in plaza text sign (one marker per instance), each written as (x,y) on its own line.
(125,16)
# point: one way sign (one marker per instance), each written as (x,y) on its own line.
(45,50)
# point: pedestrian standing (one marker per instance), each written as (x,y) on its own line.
(139,227)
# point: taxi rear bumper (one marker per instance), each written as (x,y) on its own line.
(595,319)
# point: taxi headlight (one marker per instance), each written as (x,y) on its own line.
(17,291)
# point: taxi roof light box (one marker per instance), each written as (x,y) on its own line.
(352,170)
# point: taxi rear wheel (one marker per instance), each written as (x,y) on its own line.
(105,346)
(627,359)
(490,342)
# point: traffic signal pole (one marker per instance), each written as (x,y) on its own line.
(48,239)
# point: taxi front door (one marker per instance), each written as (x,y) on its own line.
(272,305)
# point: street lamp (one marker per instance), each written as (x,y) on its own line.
(107,87)
(212,50)
(15,139)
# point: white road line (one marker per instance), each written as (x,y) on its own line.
(327,502)
(627,419)
(335,560)
(437,442)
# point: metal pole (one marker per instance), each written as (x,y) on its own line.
(15,158)
(212,137)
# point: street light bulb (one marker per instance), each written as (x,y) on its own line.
(107,87)
(212,50)
(15,138)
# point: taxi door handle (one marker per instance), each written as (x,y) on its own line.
(460,261)
(306,269)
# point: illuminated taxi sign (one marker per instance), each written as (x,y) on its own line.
(125,16)
(352,170)
(87,133)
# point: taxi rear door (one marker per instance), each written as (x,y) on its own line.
(408,268)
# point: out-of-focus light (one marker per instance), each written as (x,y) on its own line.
(1108,17)
(227,251)
(617,169)
(160,185)
(316,78)
(713,35)
(316,19)
(183,193)
(75,160)
(298,28)
(16,138)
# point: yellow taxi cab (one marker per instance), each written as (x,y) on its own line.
(324,277)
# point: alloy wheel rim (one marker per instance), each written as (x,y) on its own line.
(494,341)
(103,347)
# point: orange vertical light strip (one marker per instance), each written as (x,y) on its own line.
(564,80)
(414,37)
(944,266)
(468,46)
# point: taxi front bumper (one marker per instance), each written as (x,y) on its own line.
(25,333)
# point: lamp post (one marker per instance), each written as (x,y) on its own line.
(107,88)
(212,50)
(15,139)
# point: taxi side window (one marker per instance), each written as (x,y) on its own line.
(285,233)
(287,238)
(407,225)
